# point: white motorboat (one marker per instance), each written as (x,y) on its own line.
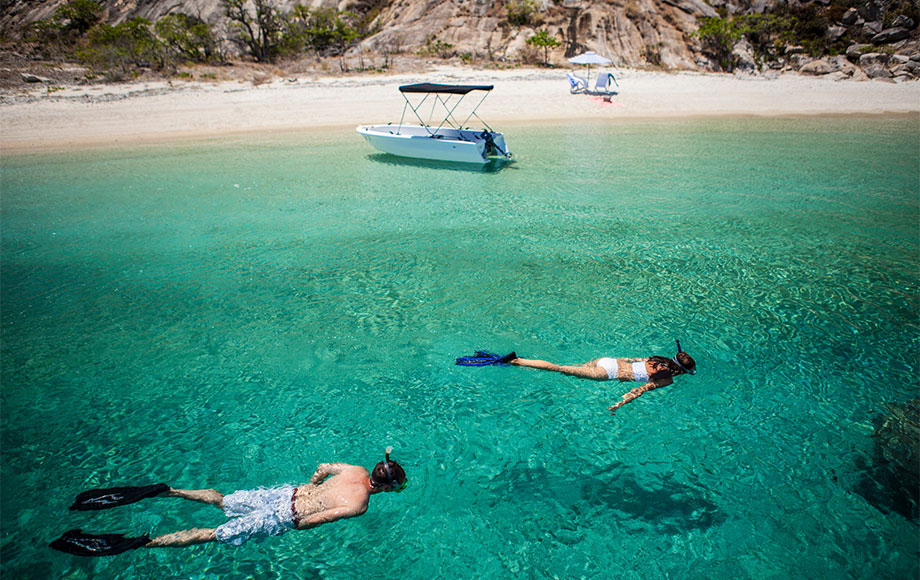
(450,140)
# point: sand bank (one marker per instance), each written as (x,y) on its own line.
(136,112)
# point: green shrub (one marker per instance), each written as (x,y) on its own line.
(324,30)
(436,47)
(718,36)
(114,51)
(769,33)
(522,13)
(57,35)
(186,37)
(46,37)
(77,17)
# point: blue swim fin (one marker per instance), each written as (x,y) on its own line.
(484,358)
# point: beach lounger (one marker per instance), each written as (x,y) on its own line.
(602,85)
(577,84)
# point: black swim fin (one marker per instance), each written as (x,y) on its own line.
(484,358)
(100,499)
(78,543)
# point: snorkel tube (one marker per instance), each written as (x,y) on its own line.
(391,480)
(677,362)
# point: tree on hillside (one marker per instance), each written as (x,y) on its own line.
(78,16)
(259,33)
(116,51)
(187,37)
(324,30)
(718,37)
(543,39)
(60,33)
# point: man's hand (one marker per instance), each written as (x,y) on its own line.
(324,470)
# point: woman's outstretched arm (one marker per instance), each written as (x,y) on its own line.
(634,394)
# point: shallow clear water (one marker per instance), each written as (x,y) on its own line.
(230,313)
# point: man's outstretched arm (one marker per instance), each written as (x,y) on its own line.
(324,470)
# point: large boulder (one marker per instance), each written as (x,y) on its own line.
(872,58)
(870,11)
(872,28)
(891,481)
(829,65)
(819,67)
(850,17)
(696,8)
(835,33)
(860,76)
(877,71)
(903,21)
(890,35)
(743,54)
(854,51)
(30,78)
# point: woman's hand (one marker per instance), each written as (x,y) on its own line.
(630,396)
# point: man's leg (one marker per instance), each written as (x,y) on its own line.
(211,496)
(195,535)
(184,538)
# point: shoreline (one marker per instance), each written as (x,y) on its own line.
(190,137)
(152,112)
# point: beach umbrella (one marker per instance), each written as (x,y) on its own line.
(590,58)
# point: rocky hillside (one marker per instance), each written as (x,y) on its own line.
(861,38)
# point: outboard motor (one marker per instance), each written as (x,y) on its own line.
(492,147)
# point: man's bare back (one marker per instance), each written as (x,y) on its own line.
(344,495)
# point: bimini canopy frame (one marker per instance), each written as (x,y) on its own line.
(441,94)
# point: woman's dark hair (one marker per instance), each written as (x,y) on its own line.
(664,362)
(379,477)
(683,358)
(686,361)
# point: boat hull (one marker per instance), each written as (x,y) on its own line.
(461,146)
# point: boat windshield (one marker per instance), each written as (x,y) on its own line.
(443,95)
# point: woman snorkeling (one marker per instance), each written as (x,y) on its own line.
(653,372)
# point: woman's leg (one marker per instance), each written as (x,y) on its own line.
(184,538)
(211,496)
(587,371)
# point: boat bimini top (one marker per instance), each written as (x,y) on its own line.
(442,94)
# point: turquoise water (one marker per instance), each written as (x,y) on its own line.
(230,313)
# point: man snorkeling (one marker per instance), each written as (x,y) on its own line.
(256,514)
(654,372)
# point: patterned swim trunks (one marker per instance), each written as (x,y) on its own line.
(257,514)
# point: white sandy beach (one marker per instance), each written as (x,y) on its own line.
(134,112)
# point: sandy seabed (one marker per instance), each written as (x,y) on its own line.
(137,112)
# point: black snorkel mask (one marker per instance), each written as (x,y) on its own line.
(682,367)
(391,480)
